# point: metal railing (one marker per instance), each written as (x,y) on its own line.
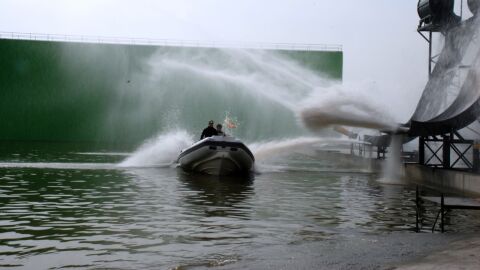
(168,42)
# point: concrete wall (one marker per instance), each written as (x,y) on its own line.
(456,181)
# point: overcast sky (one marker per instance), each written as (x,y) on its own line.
(379,38)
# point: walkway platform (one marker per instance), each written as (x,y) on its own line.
(446,204)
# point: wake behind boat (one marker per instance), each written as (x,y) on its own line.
(217,155)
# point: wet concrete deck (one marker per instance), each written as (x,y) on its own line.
(462,254)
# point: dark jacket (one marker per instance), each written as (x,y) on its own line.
(208,132)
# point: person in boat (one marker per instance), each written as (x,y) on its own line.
(219,130)
(209,131)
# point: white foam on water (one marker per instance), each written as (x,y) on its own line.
(160,151)
(59,165)
(102,153)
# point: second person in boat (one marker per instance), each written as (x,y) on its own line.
(219,130)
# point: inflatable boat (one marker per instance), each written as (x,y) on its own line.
(217,155)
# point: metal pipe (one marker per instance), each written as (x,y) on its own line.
(430,55)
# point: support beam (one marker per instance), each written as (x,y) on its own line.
(446,152)
(421,150)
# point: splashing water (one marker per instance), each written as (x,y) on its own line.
(265,150)
(271,95)
(391,171)
(160,151)
(250,84)
(273,79)
(303,145)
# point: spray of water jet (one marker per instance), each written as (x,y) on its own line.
(391,171)
(271,96)
(339,106)
(303,145)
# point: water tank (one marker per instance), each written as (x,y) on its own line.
(474,5)
(435,11)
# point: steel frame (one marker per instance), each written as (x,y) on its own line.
(448,142)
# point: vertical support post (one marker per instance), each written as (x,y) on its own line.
(446,151)
(417,203)
(442,219)
(476,157)
(421,150)
(461,10)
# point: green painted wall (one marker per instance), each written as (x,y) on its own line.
(57,91)
(329,63)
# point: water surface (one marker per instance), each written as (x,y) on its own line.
(78,210)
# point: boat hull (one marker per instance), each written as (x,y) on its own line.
(217,156)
